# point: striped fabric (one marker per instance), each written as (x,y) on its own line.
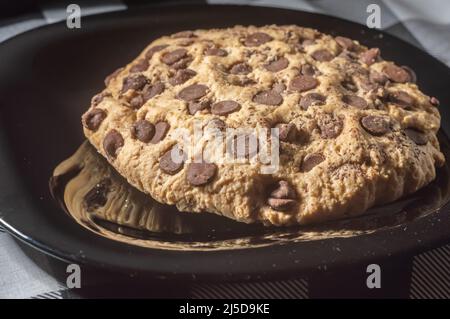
(49,295)
(412,20)
(287,289)
(431,275)
(20,277)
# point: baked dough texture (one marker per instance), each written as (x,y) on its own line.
(355,130)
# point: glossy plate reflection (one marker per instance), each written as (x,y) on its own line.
(98,198)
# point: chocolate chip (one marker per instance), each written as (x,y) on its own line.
(349,85)
(256,39)
(200,173)
(345,43)
(349,56)
(306,42)
(193,92)
(182,76)
(98,98)
(136,102)
(370,56)
(93,119)
(401,98)
(396,73)
(434,101)
(283,197)
(240,68)
(411,72)
(142,130)
(286,131)
(330,125)
(245,145)
(322,55)
(173,56)
(172,161)
(310,161)
(224,107)
(378,77)
(375,125)
(183,34)
(196,106)
(133,82)
(97,196)
(112,76)
(153,50)
(281,205)
(312,99)
(268,97)
(366,84)
(419,137)
(355,101)
(308,69)
(161,129)
(182,64)
(284,190)
(216,123)
(279,87)
(185,42)
(277,65)
(152,90)
(140,66)
(216,52)
(302,83)
(240,81)
(112,142)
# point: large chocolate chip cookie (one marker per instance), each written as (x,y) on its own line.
(354,129)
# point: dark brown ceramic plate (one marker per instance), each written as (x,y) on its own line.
(47,77)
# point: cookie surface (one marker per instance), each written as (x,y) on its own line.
(354,130)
